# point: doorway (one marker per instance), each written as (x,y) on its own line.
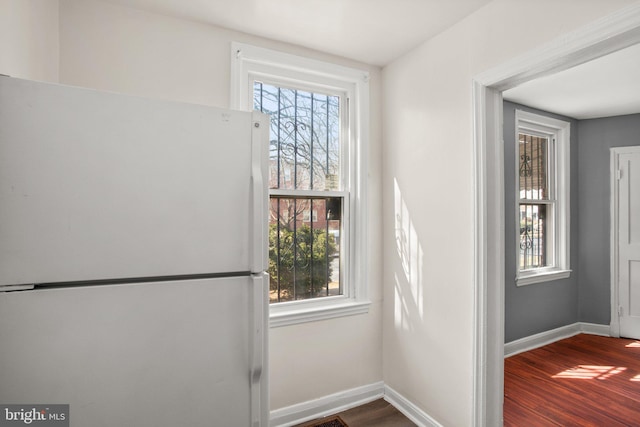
(602,37)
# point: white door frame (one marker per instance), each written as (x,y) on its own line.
(615,298)
(604,36)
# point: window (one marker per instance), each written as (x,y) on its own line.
(542,187)
(319,117)
(306,171)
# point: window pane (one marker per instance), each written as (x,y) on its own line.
(533,242)
(304,137)
(304,247)
(533,166)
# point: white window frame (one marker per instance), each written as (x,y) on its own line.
(559,134)
(250,63)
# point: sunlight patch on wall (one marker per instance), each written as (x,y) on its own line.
(590,372)
(400,308)
(408,289)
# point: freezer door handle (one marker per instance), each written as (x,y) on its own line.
(259,192)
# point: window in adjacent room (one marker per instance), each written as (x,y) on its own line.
(317,243)
(542,186)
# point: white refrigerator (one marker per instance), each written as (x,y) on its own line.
(133,251)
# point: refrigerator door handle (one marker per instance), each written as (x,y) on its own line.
(259,324)
(259,189)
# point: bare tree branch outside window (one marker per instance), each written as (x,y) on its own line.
(304,154)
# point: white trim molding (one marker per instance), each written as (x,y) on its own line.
(543,338)
(342,401)
(327,405)
(606,35)
(601,37)
(408,409)
(613,243)
(307,312)
(489,255)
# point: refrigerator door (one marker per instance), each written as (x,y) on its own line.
(97,186)
(183,353)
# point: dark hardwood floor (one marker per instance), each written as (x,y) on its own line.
(378,413)
(585,380)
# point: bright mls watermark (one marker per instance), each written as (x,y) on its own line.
(34,415)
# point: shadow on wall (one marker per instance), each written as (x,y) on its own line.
(408,301)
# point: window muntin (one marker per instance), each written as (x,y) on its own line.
(542,198)
(305,162)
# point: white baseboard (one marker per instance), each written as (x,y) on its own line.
(338,402)
(327,405)
(411,411)
(538,340)
(595,329)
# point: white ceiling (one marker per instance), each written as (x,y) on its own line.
(371,31)
(604,87)
(378,31)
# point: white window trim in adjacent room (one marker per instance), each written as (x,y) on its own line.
(558,132)
(250,63)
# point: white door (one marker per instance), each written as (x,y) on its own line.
(626,238)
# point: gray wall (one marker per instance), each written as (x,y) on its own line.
(544,306)
(596,137)
(586,295)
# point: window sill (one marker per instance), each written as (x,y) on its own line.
(293,313)
(531,277)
